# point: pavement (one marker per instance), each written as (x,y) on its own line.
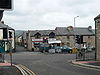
(88,64)
(14,69)
(7,69)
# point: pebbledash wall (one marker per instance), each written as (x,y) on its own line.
(97,31)
(65,34)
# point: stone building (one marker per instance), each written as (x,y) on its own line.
(67,35)
(64,34)
(97,31)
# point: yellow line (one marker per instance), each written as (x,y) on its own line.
(85,67)
(32,73)
(25,70)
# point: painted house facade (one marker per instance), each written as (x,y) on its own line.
(7,34)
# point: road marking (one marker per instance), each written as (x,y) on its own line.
(85,67)
(21,70)
(28,70)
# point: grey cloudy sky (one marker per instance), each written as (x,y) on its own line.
(48,14)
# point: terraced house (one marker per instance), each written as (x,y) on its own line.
(61,36)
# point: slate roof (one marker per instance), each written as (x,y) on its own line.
(83,31)
(63,31)
(42,32)
(75,31)
(5,26)
(97,17)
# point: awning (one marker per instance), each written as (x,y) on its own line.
(54,41)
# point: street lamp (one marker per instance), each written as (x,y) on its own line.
(75,34)
(75,20)
(74,27)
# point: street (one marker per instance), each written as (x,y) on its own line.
(49,64)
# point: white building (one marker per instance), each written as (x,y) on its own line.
(7,35)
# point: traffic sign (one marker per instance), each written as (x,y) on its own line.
(5,4)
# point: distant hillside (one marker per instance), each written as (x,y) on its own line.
(18,32)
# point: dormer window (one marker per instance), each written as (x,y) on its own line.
(52,35)
(37,36)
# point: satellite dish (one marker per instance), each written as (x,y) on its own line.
(1,14)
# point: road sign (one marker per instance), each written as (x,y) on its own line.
(5,4)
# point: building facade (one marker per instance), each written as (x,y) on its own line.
(7,35)
(97,31)
(63,35)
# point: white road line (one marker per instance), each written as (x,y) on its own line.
(85,67)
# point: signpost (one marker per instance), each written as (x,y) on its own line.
(5,5)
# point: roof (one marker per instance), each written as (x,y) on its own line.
(63,31)
(75,31)
(42,32)
(97,17)
(83,31)
(5,26)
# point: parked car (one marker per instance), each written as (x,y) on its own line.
(43,47)
(51,51)
(67,49)
(88,49)
(58,49)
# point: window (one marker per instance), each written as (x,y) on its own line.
(5,33)
(68,37)
(89,37)
(52,35)
(37,36)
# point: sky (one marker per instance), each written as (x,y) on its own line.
(49,14)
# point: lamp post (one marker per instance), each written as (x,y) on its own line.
(74,27)
(75,20)
(75,34)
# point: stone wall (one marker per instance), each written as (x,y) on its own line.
(97,22)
